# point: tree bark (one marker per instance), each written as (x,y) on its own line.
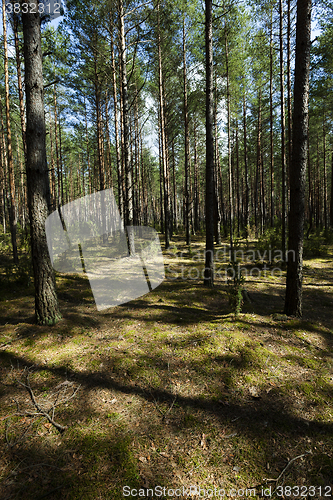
(231,212)
(271,120)
(60,197)
(325,175)
(331,205)
(128,211)
(283,139)
(289,100)
(53,181)
(187,176)
(4,162)
(116,126)
(209,254)
(163,141)
(46,303)
(19,83)
(12,211)
(247,187)
(293,300)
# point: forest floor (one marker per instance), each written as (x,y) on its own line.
(174,391)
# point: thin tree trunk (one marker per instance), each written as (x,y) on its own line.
(163,142)
(237,184)
(325,175)
(64,197)
(289,88)
(310,185)
(175,221)
(293,300)
(231,213)
(4,160)
(247,187)
(129,214)
(59,175)
(283,135)
(187,179)
(331,207)
(217,217)
(259,168)
(19,83)
(108,142)
(271,121)
(12,211)
(209,254)
(116,128)
(196,183)
(87,147)
(53,181)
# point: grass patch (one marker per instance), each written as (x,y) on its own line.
(174,390)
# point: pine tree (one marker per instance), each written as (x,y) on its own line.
(293,300)
(46,303)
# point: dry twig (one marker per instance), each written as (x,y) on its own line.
(40,410)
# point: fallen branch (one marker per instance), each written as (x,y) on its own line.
(284,470)
(40,411)
(289,463)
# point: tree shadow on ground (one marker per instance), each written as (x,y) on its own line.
(272,414)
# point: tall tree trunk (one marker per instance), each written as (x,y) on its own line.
(87,147)
(325,175)
(100,139)
(12,211)
(108,142)
(163,141)
(209,254)
(217,211)
(174,211)
(60,197)
(293,300)
(53,181)
(331,206)
(259,169)
(237,184)
(310,185)
(64,193)
(46,303)
(231,213)
(187,147)
(4,162)
(196,183)
(129,211)
(19,83)
(116,127)
(247,187)
(283,138)
(289,87)
(271,120)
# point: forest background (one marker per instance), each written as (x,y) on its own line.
(225,399)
